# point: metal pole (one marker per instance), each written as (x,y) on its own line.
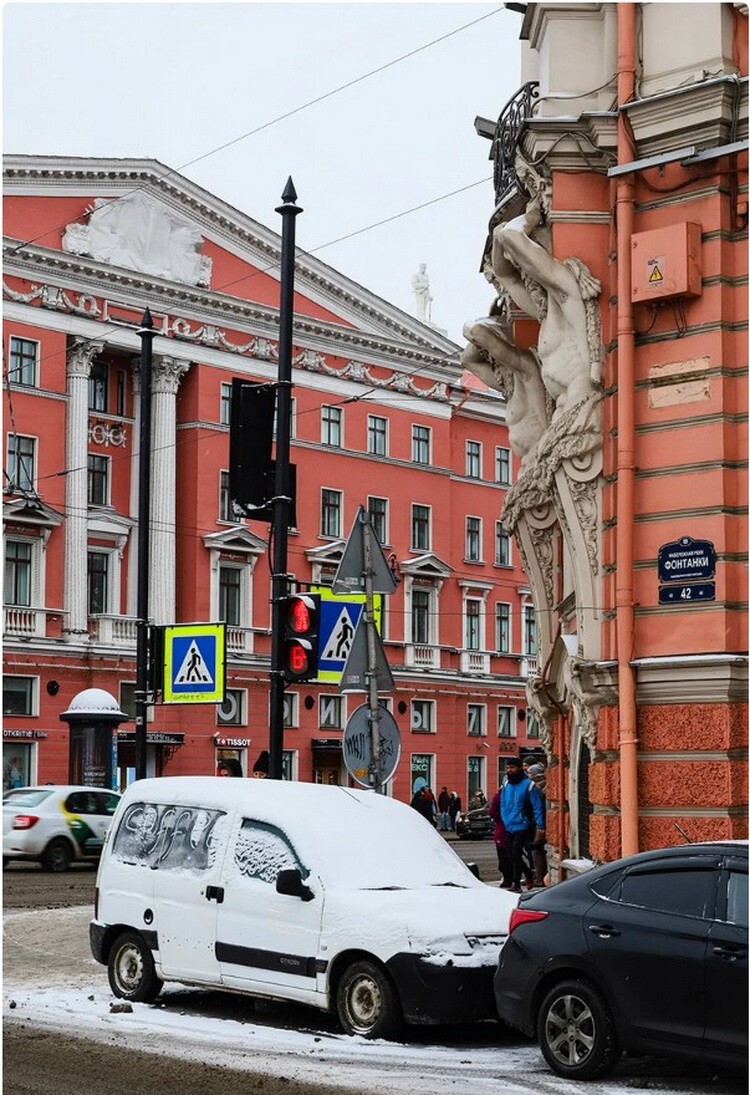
(146,334)
(282,501)
(372,663)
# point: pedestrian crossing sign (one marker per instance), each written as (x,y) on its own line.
(338,620)
(194,663)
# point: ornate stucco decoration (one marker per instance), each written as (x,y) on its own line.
(583,686)
(50,296)
(138,232)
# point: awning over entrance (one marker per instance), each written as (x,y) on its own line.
(327,745)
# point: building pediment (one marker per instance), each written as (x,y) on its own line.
(28,510)
(239,539)
(327,554)
(425,566)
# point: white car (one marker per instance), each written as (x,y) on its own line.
(342,899)
(56,825)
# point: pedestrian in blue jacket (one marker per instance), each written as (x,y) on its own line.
(521,808)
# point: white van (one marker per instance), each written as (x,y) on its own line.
(337,898)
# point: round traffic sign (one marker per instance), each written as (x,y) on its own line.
(357,745)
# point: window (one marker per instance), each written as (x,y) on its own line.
(330,712)
(529,631)
(98,378)
(423,716)
(423,766)
(225,505)
(420,444)
(506,722)
(330,513)
(502,466)
(98,583)
(420,616)
(377,435)
(737,898)
(475,775)
(122,382)
(474,459)
(225,404)
(18,554)
(502,545)
(420,528)
(98,480)
(21,461)
(681,892)
(18,695)
(476,720)
(168,837)
(473,624)
(502,628)
(261,852)
(233,711)
(473,539)
(23,360)
(532,725)
(378,510)
(331,420)
(17,770)
(230,602)
(291,709)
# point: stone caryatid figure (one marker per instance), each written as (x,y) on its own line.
(420,283)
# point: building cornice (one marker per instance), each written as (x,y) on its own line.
(584,142)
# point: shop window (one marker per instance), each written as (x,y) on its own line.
(19,695)
(423,765)
(24,357)
(16,766)
(476,776)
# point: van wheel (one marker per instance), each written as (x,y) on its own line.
(367,1002)
(576,1032)
(131,971)
(57,856)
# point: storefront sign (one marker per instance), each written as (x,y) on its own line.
(23,735)
(153,737)
(687,560)
(231,743)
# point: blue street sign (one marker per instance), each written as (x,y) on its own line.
(194,663)
(687,594)
(337,622)
(685,560)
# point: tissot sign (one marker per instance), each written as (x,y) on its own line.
(687,560)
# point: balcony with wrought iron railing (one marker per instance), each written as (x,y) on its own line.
(505,137)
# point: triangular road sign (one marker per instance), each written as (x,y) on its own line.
(193,669)
(354,677)
(350,576)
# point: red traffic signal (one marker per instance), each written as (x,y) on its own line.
(300,655)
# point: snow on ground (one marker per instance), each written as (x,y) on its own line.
(51,981)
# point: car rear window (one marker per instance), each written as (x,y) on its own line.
(168,837)
(685,893)
(26,797)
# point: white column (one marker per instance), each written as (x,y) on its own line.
(79,362)
(166,376)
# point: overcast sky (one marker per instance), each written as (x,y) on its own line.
(174,81)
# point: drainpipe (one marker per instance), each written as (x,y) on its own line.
(625,205)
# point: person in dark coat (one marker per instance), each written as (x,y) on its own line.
(443,803)
(228,766)
(500,837)
(521,807)
(423,802)
(260,768)
(454,809)
(538,774)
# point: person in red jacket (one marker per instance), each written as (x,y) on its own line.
(500,837)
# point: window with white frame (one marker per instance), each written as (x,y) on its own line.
(502,466)
(506,722)
(233,711)
(99,586)
(377,435)
(421,607)
(99,387)
(330,513)
(473,539)
(24,358)
(98,480)
(330,712)
(532,725)
(291,709)
(225,404)
(378,511)
(225,505)
(420,528)
(21,463)
(476,720)
(233,595)
(421,437)
(529,631)
(422,716)
(502,628)
(474,459)
(502,545)
(423,767)
(121,393)
(331,422)
(20,695)
(19,560)
(476,775)
(472,624)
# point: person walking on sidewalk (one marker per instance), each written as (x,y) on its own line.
(443,802)
(521,808)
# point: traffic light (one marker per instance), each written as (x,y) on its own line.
(301,616)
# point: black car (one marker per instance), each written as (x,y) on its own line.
(475,824)
(647,954)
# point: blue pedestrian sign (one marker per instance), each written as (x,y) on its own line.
(338,620)
(194,663)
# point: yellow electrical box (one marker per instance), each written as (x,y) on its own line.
(666,263)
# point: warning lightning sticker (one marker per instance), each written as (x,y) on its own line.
(655,268)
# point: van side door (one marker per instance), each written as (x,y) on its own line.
(266,938)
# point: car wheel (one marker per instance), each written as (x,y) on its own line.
(57,856)
(367,1002)
(576,1032)
(131,971)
